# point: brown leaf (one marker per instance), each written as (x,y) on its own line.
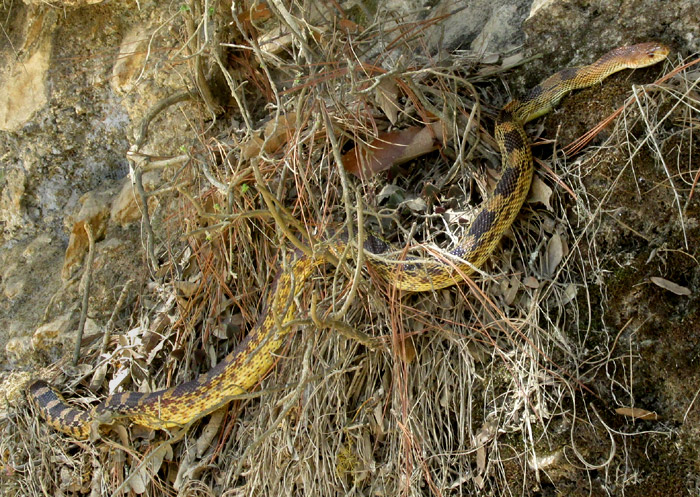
(638,413)
(277,133)
(392,148)
(531,282)
(259,12)
(670,286)
(386,93)
(349,27)
(406,350)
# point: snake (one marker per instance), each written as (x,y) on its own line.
(243,368)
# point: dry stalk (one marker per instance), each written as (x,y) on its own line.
(87,276)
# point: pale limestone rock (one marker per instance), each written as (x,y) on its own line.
(575,32)
(94,212)
(13,387)
(131,59)
(37,246)
(127,206)
(537,4)
(13,286)
(17,348)
(23,87)
(47,333)
(13,280)
(11,209)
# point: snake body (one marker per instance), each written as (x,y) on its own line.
(243,368)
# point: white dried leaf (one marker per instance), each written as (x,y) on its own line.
(480,464)
(138,481)
(210,430)
(119,377)
(555,253)
(387,192)
(220,331)
(670,286)
(416,204)
(540,192)
(510,289)
(486,434)
(99,376)
(512,60)
(569,293)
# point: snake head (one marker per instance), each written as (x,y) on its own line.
(642,54)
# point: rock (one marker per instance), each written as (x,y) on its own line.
(483,26)
(46,334)
(13,280)
(62,131)
(23,83)
(14,286)
(12,213)
(95,213)
(131,58)
(127,206)
(37,246)
(17,348)
(578,31)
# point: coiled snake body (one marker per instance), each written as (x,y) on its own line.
(241,370)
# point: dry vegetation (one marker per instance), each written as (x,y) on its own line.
(507,385)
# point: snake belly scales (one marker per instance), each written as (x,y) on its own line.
(243,368)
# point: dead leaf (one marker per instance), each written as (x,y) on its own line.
(485,435)
(220,331)
(389,191)
(387,93)
(251,148)
(670,286)
(531,282)
(186,289)
(277,133)
(258,12)
(349,27)
(406,350)
(210,430)
(139,481)
(512,60)
(638,413)
(392,148)
(555,253)
(98,376)
(540,192)
(509,288)
(119,377)
(569,293)
(280,131)
(416,204)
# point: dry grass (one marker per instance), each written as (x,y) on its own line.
(480,389)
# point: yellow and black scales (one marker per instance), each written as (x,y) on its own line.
(241,370)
